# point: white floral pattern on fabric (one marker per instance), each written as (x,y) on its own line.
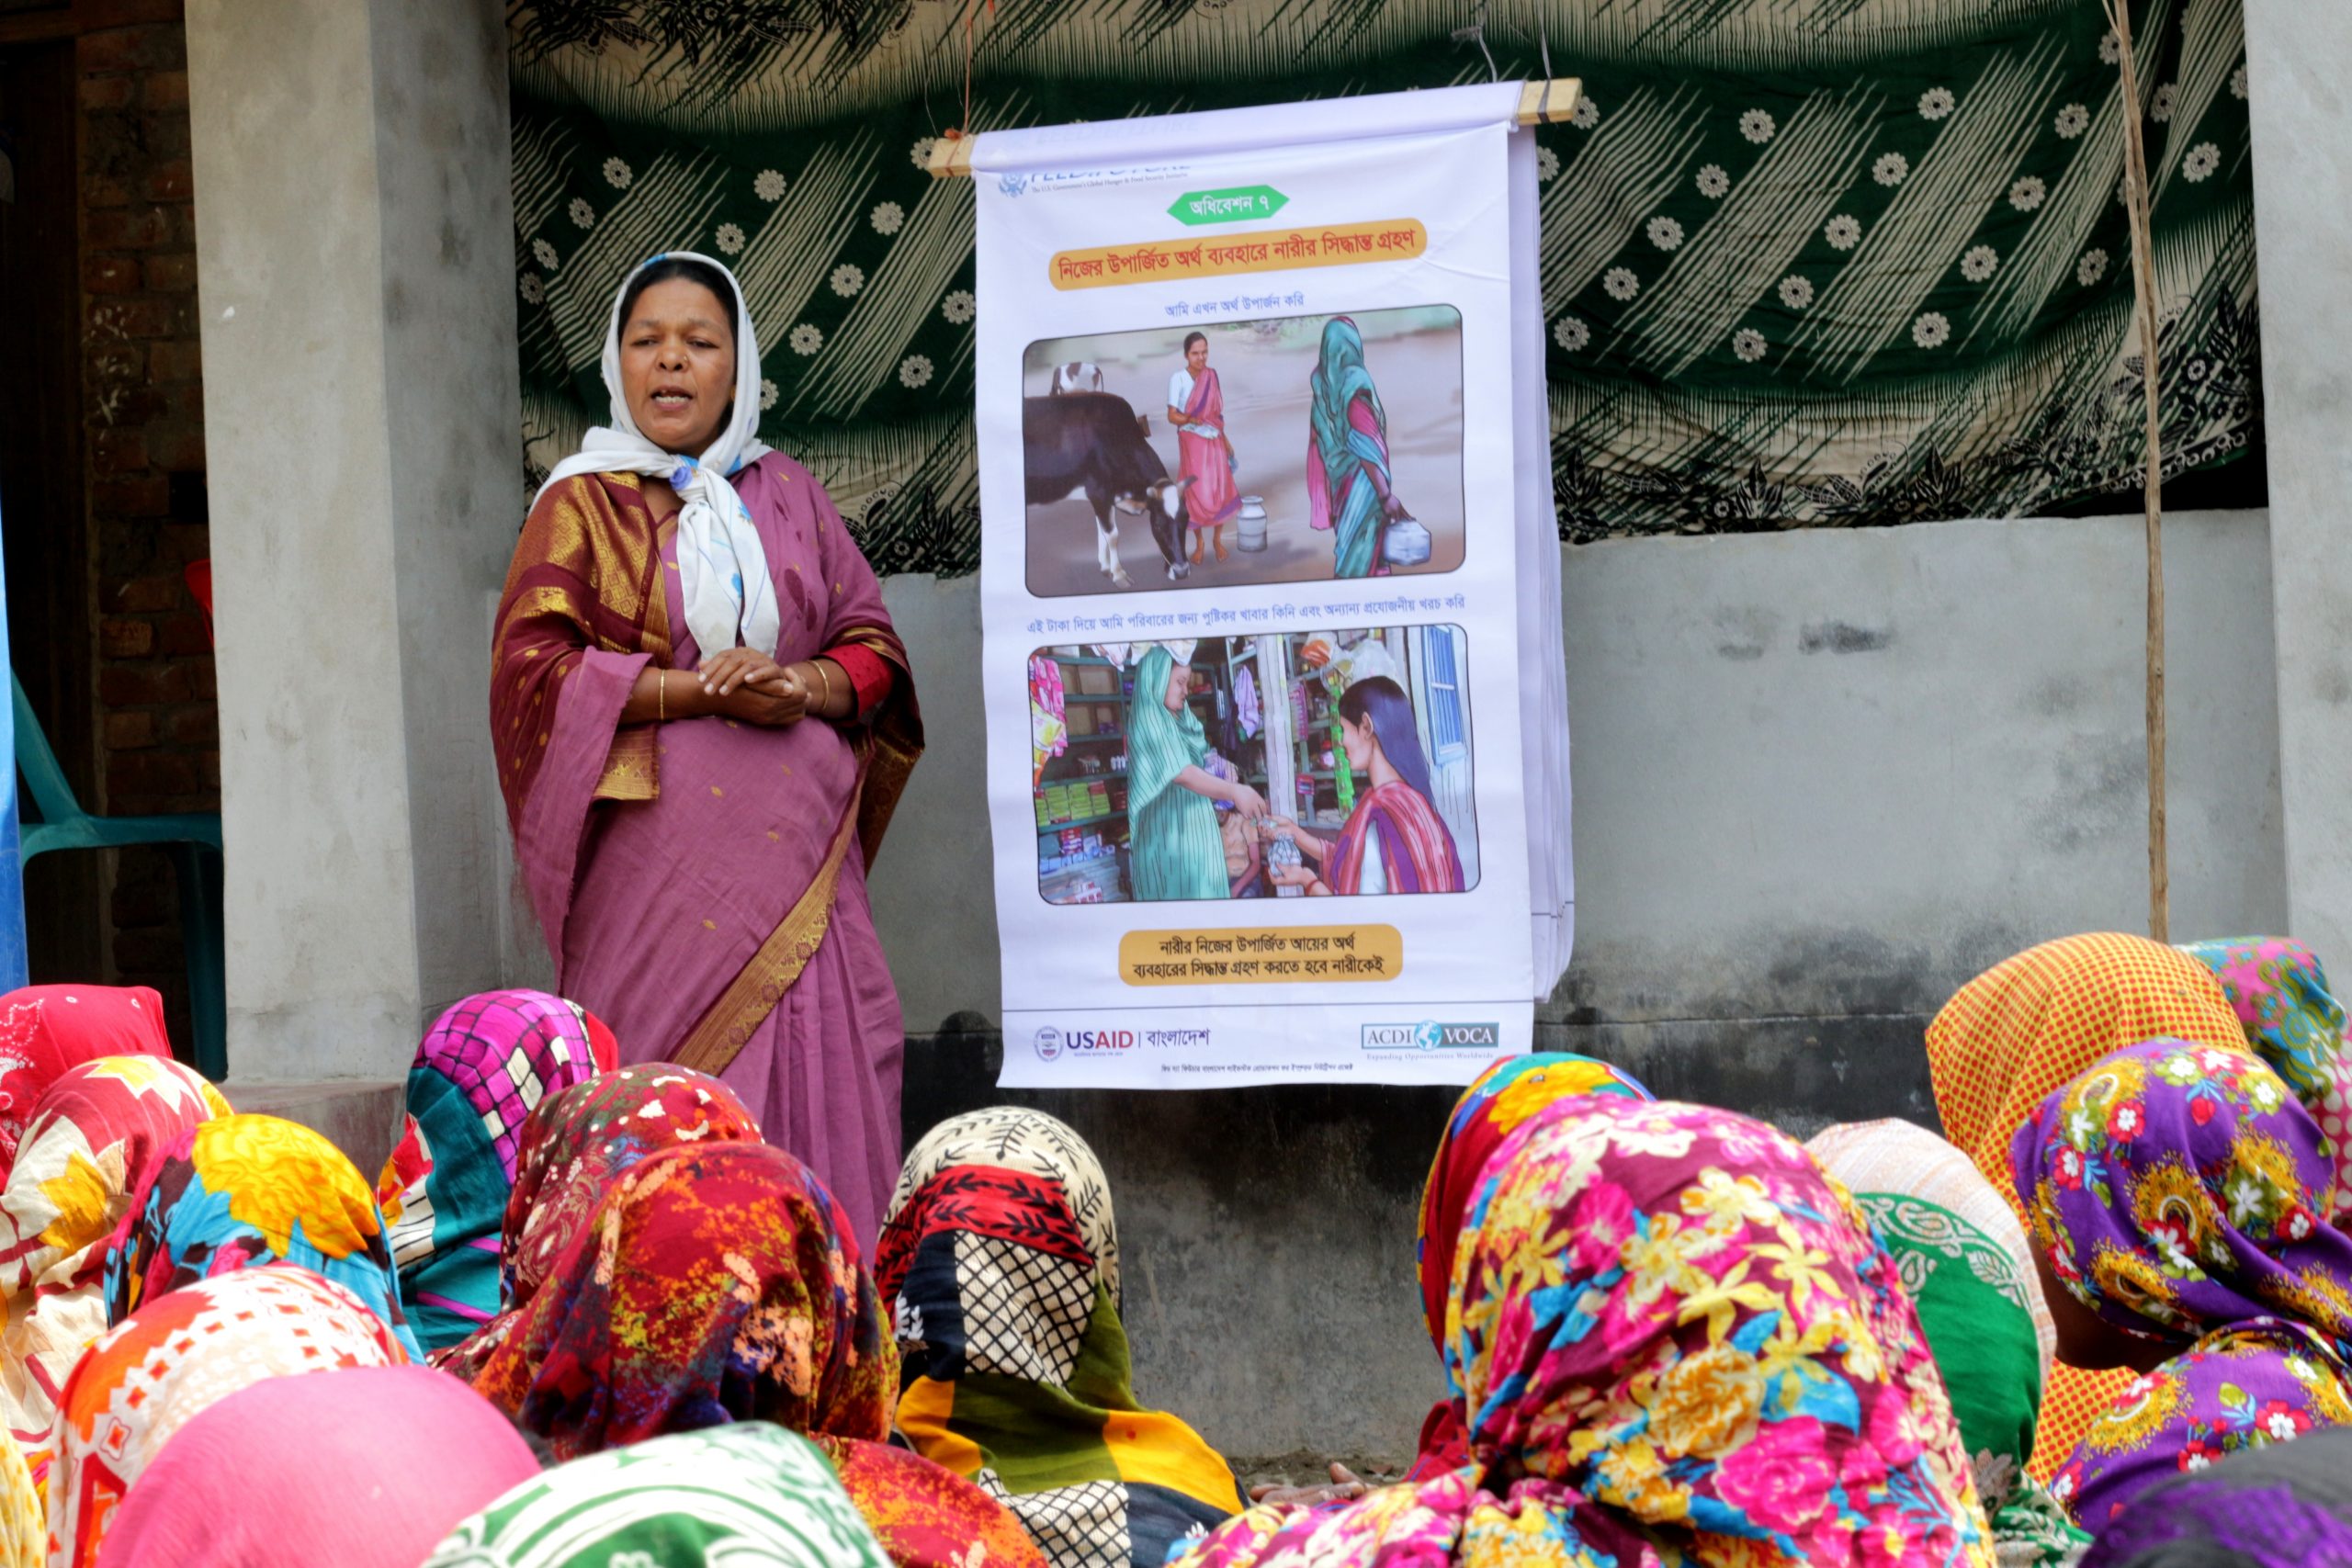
(1980,263)
(534,290)
(1796,291)
(1571,333)
(2203,160)
(769,185)
(1931,329)
(1588,114)
(958,306)
(1937,103)
(1843,232)
(2238,82)
(1665,234)
(914,370)
(618,173)
(2028,194)
(1749,345)
(1620,283)
(1713,183)
(1892,169)
(920,153)
(1757,126)
(806,339)
(2168,99)
(2110,49)
(731,238)
(545,252)
(583,214)
(847,279)
(767,395)
(1547,162)
(888,219)
(2091,268)
(2072,121)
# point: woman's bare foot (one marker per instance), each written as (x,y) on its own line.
(1219,539)
(1196,546)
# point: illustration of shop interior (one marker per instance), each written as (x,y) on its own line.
(1258,720)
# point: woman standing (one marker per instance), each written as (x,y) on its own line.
(1393,841)
(1348,489)
(1203,452)
(703,720)
(1178,850)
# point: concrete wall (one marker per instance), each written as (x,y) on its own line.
(2302,185)
(355,240)
(1821,778)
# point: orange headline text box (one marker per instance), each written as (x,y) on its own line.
(1261,955)
(1263,250)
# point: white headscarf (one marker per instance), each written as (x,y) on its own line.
(722,570)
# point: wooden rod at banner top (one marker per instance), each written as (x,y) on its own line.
(1540,103)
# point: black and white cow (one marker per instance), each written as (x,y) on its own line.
(1093,443)
(1076,376)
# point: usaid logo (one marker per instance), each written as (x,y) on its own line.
(1013,184)
(1051,1043)
(1433,1036)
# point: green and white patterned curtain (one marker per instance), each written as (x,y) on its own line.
(1806,263)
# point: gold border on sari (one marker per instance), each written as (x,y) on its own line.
(713,1043)
(632,771)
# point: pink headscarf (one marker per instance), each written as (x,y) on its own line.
(365,1467)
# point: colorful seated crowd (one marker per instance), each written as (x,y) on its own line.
(588,1318)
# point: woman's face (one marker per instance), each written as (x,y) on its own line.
(678,364)
(1179,685)
(1196,358)
(1360,741)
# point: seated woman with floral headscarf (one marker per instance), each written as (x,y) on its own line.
(1675,1341)
(2172,1192)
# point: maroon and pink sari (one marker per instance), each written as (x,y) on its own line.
(1214,497)
(701,883)
(1415,851)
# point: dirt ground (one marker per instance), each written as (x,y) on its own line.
(1419,379)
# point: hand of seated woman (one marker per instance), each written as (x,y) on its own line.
(1345,1487)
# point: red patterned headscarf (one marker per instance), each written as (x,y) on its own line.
(712,1284)
(45,1029)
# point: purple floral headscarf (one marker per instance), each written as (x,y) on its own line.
(2288,1507)
(2177,1190)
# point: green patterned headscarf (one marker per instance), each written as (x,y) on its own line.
(736,1495)
(1967,1263)
(1172,832)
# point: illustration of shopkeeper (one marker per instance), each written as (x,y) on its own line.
(1177,847)
(1203,453)
(1393,841)
(1347,455)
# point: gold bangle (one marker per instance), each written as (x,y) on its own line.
(826,677)
(660,696)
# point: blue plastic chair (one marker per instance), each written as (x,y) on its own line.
(193,840)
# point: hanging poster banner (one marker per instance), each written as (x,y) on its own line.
(1276,717)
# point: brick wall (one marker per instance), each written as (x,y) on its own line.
(158,731)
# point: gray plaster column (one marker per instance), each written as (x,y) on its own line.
(355,238)
(2303,188)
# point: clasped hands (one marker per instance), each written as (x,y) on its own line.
(745,684)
